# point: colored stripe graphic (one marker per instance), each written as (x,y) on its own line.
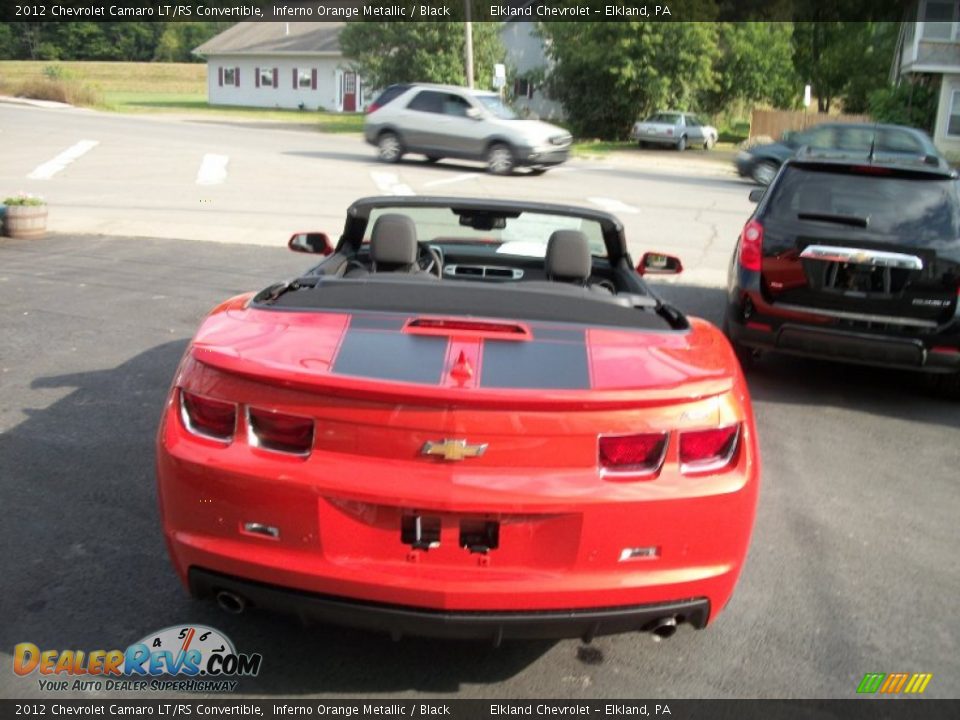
(918,683)
(894,683)
(871,682)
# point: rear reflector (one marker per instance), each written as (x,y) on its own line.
(751,246)
(280,432)
(214,419)
(708,450)
(632,454)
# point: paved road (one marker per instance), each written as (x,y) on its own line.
(853,568)
(251,183)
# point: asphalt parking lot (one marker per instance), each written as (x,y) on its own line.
(853,566)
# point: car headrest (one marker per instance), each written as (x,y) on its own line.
(393,240)
(568,256)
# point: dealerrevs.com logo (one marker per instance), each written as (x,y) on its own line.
(202,658)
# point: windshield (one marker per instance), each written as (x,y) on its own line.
(496,106)
(665,118)
(525,236)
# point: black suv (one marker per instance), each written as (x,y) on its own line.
(855,260)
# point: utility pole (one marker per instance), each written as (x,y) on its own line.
(469,43)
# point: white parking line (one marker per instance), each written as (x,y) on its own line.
(52,167)
(451,180)
(611,205)
(389,184)
(213,169)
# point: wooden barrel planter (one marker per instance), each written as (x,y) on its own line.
(28,222)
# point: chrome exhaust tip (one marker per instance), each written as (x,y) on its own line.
(664,628)
(231,602)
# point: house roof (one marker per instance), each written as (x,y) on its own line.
(275,38)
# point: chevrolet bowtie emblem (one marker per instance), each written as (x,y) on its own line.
(452,449)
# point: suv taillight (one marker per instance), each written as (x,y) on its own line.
(214,419)
(751,246)
(633,455)
(708,450)
(373,107)
(280,432)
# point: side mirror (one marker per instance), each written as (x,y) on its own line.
(659,264)
(756,195)
(311,242)
(474,113)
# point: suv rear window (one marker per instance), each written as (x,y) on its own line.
(390,94)
(907,209)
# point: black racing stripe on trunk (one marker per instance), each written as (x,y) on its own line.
(377,322)
(391,356)
(538,365)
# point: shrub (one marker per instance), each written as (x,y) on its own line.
(913,104)
(23,198)
(65,91)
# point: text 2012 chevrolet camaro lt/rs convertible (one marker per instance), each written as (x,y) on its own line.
(472,419)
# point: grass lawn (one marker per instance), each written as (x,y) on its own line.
(173,88)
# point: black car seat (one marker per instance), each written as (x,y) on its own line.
(393,248)
(568,257)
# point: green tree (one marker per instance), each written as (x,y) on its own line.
(385,53)
(178,39)
(844,60)
(755,65)
(608,74)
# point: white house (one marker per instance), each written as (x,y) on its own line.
(528,61)
(281,65)
(929,44)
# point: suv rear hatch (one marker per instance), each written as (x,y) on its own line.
(875,246)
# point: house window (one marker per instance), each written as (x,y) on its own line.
(938,18)
(229,76)
(953,126)
(304,79)
(522,88)
(266,77)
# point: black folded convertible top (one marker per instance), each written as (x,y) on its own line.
(568,304)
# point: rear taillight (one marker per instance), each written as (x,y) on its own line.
(751,246)
(708,450)
(373,107)
(634,455)
(214,419)
(280,432)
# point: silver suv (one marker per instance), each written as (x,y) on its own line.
(446,121)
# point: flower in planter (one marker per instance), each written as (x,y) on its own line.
(23,198)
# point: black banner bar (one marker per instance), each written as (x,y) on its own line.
(452,10)
(873,709)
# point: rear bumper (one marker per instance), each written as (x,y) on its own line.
(660,139)
(494,626)
(846,346)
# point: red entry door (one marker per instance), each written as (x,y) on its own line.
(349,92)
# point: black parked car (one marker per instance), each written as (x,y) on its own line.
(762,162)
(855,260)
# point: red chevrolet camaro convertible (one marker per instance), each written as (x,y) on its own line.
(472,419)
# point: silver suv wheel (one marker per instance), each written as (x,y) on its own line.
(389,148)
(500,159)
